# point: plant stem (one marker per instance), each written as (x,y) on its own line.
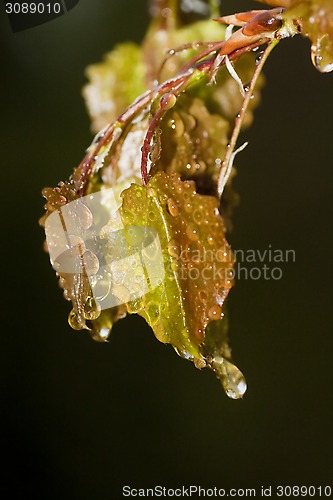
(214,8)
(240,117)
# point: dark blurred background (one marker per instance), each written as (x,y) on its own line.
(81,419)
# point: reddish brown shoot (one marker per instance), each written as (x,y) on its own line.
(182,48)
(167,102)
(226,165)
(257,29)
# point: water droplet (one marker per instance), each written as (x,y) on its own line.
(201,166)
(210,240)
(215,312)
(173,207)
(179,188)
(100,333)
(259,56)
(322,54)
(192,233)
(174,248)
(74,321)
(151,216)
(153,311)
(188,207)
(197,216)
(92,309)
(62,200)
(168,101)
(231,377)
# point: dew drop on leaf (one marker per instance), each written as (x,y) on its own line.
(215,312)
(192,232)
(173,207)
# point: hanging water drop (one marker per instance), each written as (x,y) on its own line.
(100,334)
(259,56)
(74,321)
(246,87)
(231,377)
(322,54)
(92,309)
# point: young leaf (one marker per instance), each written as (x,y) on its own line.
(197,260)
(198,266)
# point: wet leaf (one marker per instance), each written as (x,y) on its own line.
(186,307)
(197,260)
(86,312)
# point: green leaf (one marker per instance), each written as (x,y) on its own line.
(186,308)
(197,260)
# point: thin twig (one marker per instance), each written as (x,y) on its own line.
(181,48)
(240,117)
